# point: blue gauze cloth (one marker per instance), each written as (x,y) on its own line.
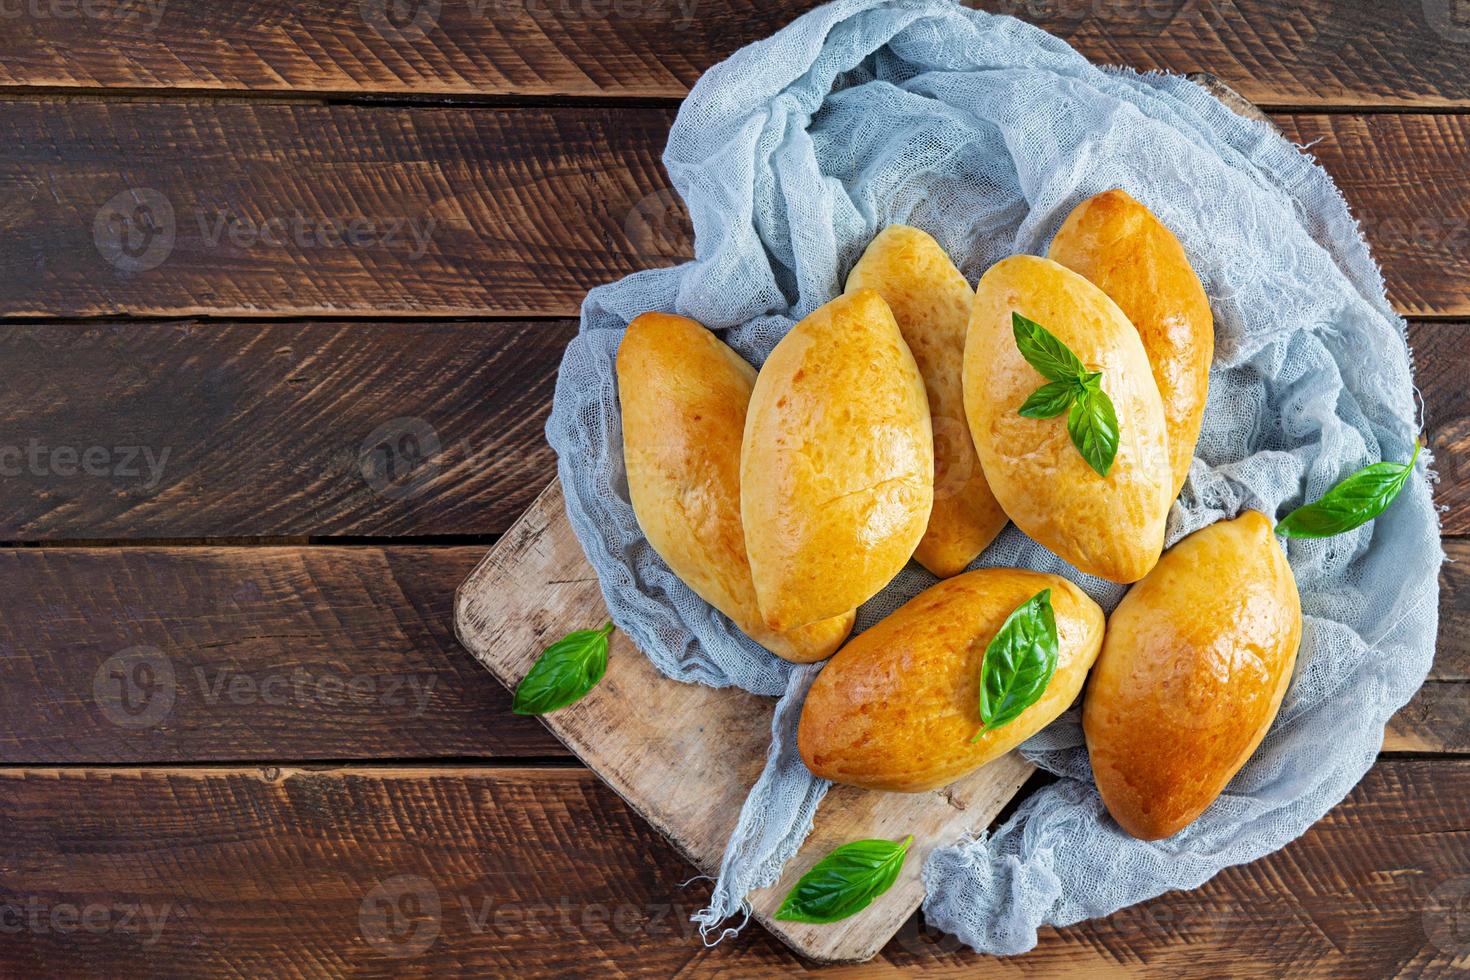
(986,132)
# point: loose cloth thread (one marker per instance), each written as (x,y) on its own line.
(986,132)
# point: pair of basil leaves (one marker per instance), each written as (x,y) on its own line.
(1092,422)
(1018,663)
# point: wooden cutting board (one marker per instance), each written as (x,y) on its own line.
(684,756)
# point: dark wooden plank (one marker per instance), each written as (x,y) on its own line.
(198,654)
(242,209)
(262,430)
(1436,719)
(1441,360)
(165,655)
(488,871)
(291,873)
(1407,178)
(1319,52)
(220,430)
(1402,53)
(229,208)
(1452,662)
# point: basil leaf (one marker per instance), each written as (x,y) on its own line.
(1043,351)
(1050,400)
(568,669)
(1092,422)
(1018,663)
(1093,425)
(845,882)
(1352,503)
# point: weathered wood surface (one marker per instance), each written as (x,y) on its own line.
(538,870)
(388,871)
(231,209)
(686,756)
(259,430)
(140,655)
(181,208)
(1404,53)
(240,430)
(237,627)
(1407,180)
(1441,361)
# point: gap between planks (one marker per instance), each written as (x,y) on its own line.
(430,98)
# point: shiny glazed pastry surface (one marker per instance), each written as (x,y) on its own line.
(684,396)
(837,463)
(931,301)
(1118,245)
(1109,526)
(896,708)
(1197,659)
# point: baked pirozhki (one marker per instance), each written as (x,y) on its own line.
(900,706)
(1067,418)
(1119,246)
(1197,659)
(837,463)
(931,300)
(684,396)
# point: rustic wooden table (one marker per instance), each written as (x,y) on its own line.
(286,283)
